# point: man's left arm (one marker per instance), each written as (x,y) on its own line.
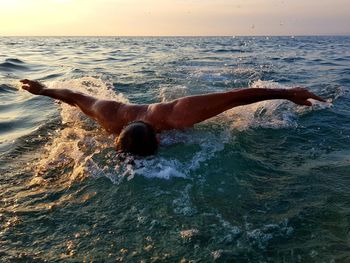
(187,111)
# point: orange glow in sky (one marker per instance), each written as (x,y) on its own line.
(174,17)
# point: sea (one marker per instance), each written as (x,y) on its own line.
(266,182)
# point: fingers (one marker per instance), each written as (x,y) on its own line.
(303,102)
(315,97)
(25,87)
(30,82)
(310,94)
(25,81)
(307,103)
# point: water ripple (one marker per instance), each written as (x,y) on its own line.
(242,186)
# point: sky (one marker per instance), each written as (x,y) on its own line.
(173,17)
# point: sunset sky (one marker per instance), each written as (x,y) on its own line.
(174,17)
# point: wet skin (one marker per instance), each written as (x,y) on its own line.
(177,114)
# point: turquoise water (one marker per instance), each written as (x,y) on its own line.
(268,182)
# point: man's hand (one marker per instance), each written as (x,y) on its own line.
(34,87)
(300,96)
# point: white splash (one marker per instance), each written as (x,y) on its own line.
(84,149)
(267,114)
(80,138)
(168,93)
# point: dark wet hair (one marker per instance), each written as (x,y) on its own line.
(138,138)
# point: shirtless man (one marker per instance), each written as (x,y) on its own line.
(137,125)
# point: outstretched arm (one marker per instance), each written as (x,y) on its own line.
(83,101)
(185,112)
(106,112)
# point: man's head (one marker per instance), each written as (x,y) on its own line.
(138,138)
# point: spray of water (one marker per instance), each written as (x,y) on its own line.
(88,150)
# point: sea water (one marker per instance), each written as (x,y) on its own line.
(267,182)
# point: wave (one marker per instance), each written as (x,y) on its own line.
(17,65)
(6,89)
(229,50)
(14,60)
(10,66)
(20,115)
(293,59)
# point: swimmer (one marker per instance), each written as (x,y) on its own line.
(138,124)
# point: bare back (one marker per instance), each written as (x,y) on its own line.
(113,116)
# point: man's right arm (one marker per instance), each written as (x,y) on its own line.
(73,98)
(105,112)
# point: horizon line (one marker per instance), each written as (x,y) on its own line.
(232,36)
